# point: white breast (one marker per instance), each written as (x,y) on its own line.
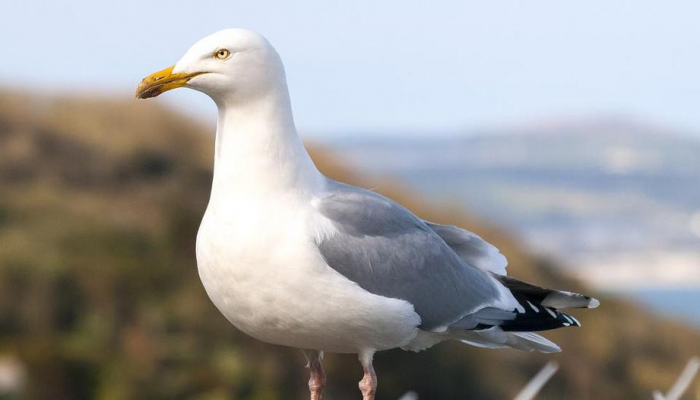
(260,266)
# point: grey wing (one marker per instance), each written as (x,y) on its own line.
(390,252)
(472,248)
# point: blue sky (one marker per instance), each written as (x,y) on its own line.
(439,67)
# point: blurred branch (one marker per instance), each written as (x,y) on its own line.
(537,382)
(683,382)
(410,395)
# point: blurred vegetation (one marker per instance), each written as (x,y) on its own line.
(100,202)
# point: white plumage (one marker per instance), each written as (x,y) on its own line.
(293,258)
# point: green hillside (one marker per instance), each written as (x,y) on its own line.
(100,202)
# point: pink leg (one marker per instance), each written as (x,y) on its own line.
(317,380)
(368,384)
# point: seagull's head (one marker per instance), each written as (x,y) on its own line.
(231,65)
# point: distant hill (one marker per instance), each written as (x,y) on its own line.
(605,145)
(99,295)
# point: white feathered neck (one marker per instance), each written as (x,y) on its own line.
(258,149)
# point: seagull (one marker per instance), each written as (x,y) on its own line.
(293,258)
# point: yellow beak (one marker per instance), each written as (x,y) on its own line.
(162,81)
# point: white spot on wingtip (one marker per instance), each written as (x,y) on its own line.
(593,303)
(534,307)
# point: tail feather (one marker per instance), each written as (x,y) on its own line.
(531,317)
(495,337)
(538,309)
(533,342)
(538,318)
(558,299)
(494,327)
(541,307)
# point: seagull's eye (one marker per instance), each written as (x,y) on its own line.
(222,54)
